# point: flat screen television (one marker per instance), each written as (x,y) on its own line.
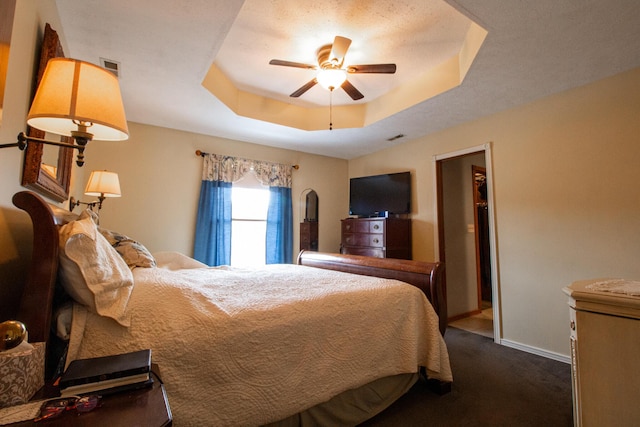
(380,195)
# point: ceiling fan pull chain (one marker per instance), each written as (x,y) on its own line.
(331,110)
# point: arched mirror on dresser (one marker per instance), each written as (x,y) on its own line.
(309,224)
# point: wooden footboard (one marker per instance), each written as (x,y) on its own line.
(427,276)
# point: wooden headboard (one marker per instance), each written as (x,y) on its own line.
(427,276)
(36,304)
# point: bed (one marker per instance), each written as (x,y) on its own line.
(332,340)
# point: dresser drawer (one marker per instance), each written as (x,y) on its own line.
(355,226)
(375,240)
(355,239)
(376,226)
(377,237)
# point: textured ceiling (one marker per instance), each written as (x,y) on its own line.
(166,48)
(415,35)
(441,48)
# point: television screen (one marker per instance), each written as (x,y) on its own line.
(380,194)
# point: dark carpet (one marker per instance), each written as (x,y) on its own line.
(493,385)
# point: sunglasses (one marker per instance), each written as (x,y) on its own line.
(55,407)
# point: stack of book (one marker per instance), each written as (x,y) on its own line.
(108,374)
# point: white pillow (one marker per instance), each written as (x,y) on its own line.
(92,272)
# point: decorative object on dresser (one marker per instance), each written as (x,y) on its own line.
(377,237)
(605,344)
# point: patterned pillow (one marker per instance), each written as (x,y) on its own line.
(133,253)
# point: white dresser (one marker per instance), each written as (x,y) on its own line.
(605,352)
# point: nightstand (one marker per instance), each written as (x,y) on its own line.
(145,407)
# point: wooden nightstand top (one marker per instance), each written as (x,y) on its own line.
(148,407)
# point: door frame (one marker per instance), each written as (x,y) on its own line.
(439,231)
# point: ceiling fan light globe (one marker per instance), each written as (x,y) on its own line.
(331,78)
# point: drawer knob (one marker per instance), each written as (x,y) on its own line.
(376,227)
(375,240)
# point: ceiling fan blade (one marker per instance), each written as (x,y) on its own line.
(292,64)
(304,88)
(339,49)
(372,68)
(351,90)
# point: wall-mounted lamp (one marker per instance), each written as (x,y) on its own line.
(101,184)
(77,99)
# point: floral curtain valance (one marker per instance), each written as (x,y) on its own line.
(231,169)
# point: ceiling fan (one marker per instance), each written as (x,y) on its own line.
(331,73)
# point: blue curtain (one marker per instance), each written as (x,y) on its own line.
(213,224)
(279,243)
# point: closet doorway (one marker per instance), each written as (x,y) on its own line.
(481,227)
(466,239)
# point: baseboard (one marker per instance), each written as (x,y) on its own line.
(463,316)
(537,351)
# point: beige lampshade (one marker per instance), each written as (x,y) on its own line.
(103,184)
(72,90)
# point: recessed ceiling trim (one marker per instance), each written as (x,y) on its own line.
(471,46)
(258,107)
(435,81)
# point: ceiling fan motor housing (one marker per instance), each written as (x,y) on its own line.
(324,60)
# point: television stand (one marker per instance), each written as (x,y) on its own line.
(376,237)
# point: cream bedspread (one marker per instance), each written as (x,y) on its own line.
(247,347)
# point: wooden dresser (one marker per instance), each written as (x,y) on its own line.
(309,235)
(377,237)
(605,346)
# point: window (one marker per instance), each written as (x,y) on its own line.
(249,205)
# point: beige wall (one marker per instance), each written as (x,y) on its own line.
(15,228)
(567,203)
(160,177)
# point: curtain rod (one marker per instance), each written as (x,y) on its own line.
(202,154)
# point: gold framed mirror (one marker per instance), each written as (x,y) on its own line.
(47,168)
